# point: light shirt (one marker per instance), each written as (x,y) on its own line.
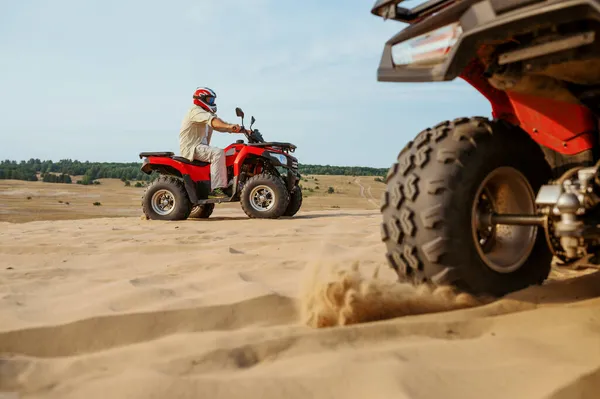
(195,130)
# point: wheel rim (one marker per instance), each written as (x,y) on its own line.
(503,248)
(163,202)
(262,198)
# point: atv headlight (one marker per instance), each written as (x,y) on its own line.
(280,157)
(428,49)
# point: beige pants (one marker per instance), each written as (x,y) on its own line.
(218,170)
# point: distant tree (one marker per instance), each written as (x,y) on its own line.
(86,180)
(66,178)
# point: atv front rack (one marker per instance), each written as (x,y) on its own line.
(288,146)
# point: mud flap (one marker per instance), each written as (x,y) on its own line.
(196,191)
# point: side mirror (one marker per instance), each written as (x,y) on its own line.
(252,120)
(239,112)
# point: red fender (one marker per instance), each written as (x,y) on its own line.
(564,127)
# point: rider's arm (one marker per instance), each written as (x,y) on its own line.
(221,126)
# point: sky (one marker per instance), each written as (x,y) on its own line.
(103,80)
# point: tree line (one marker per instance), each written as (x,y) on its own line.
(91,171)
(306,169)
(60,172)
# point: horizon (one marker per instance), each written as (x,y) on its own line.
(18,161)
(82,91)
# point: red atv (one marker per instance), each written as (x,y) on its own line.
(485,203)
(265,180)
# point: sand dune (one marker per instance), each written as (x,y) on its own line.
(228,308)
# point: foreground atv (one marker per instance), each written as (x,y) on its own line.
(265,181)
(484,204)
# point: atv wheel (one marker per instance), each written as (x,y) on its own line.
(265,196)
(295,202)
(166,199)
(443,184)
(202,211)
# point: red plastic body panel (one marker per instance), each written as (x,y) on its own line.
(197,173)
(565,128)
(238,154)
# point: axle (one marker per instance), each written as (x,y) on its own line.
(518,220)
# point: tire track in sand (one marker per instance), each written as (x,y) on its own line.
(365,192)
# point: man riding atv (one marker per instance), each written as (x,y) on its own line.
(196,132)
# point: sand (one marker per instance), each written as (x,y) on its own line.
(22,201)
(236,308)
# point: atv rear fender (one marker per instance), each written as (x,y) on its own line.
(170,166)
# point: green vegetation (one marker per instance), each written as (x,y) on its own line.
(91,171)
(340,170)
(55,178)
(22,171)
(86,180)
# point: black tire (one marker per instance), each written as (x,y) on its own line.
(280,194)
(182,205)
(202,211)
(295,202)
(427,208)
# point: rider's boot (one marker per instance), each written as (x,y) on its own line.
(218,193)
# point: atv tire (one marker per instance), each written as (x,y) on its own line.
(166,199)
(428,207)
(295,202)
(259,190)
(202,211)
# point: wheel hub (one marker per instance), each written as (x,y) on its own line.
(262,198)
(503,248)
(163,202)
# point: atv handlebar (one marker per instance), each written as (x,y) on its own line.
(253,136)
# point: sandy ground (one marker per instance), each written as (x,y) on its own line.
(229,308)
(22,201)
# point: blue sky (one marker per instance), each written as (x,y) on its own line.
(105,80)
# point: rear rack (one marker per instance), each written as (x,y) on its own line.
(389,9)
(166,154)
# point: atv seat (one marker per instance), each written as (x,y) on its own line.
(156,154)
(187,161)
